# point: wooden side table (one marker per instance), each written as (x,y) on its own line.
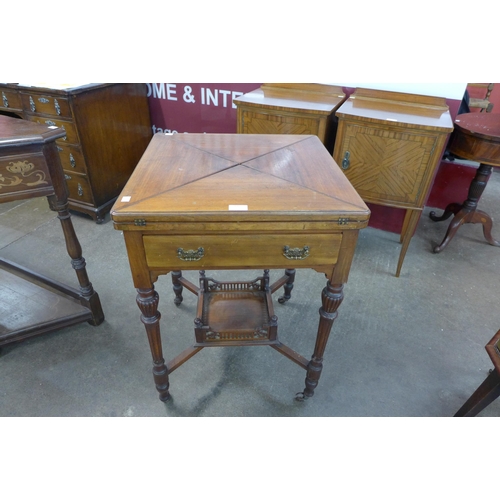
(476,137)
(31,303)
(389,146)
(237,201)
(291,108)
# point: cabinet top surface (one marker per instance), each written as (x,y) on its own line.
(54,88)
(237,177)
(306,97)
(14,132)
(396,109)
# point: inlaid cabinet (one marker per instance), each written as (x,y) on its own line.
(389,146)
(107,129)
(291,108)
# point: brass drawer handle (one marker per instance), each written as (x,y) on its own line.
(346,161)
(295,253)
(190,255)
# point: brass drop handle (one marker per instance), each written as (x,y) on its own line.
(295,253)
(190,255)
(346,162)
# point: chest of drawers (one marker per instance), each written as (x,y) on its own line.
(291,108)
(389,146)
(107,130)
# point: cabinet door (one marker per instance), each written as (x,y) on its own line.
(386,166)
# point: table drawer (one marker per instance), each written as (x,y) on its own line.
(46,104)
(23,173)
(236,250)
(72,158)
(11,101)
(79,187)
(71,134)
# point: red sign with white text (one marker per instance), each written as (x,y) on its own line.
(195,107)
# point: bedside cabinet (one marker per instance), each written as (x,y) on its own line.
(389,145)
(291,108)
(107,127)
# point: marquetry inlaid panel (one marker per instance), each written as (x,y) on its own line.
(24,174)
(386,165)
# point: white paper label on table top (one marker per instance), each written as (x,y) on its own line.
(238,207)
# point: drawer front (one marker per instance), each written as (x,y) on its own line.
(239,251)
(263,123)
(79,187)
(23,173)
(71,134)
(11,101)
(383,165)
(71,158)
(46,104)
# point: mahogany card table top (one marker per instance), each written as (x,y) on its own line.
(237,201)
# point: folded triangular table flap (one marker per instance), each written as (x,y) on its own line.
(238,148)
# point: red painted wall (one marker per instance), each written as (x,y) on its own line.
(195,107)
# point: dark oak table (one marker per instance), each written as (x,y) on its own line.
(476,137)
(31,303)
(237,201)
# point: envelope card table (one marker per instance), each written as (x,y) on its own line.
(238,201)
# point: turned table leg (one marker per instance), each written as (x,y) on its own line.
(288,287)
(331,298)
(147,300)
(88,296)
(467,213)
(177,285)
